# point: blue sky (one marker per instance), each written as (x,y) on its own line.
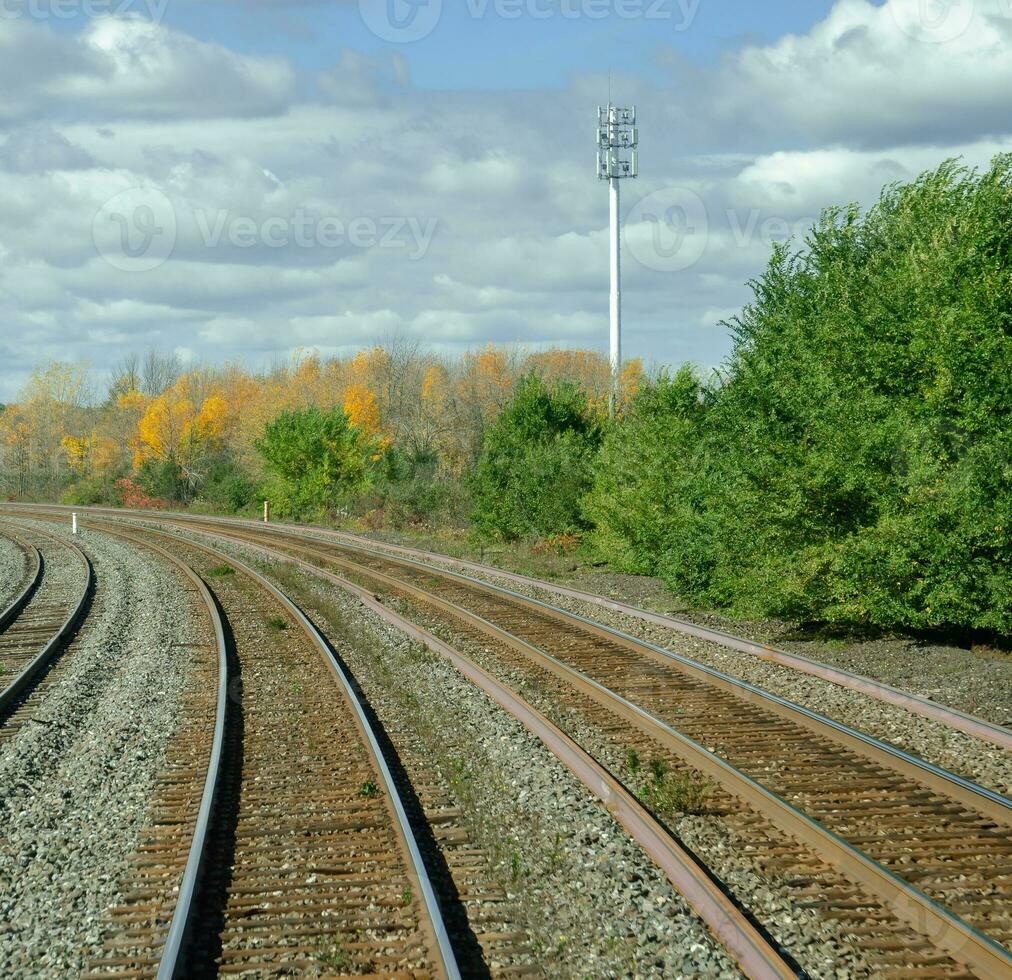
(493,53)
(243,180)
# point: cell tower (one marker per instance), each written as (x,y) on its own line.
(617,158)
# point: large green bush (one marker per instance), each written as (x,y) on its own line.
(535,464)
(854,463)
(314,458)
(227,487)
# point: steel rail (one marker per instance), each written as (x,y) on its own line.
(986,801)
(172,963)
(757,955)
(917,704)
(54,646)
(433,923)
(33,578)
(944,929)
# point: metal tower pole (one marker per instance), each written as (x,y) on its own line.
(616,291)
(617,159)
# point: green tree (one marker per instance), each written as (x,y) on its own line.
(535,464)
(315,457)
(647,487)
(858,458)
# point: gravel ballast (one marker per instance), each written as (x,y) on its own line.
(590,901)
(75,782)
(12,570)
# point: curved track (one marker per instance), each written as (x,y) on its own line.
(30,581)
(922,857)
(37,626)
(299,853)
(922,841)
(758,956)
(142,929)
(958,720)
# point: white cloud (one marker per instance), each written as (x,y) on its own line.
(869,74)
(128,67)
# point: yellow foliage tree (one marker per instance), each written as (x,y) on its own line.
(173,429)
(361,408)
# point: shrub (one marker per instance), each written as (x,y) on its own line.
(162,480)
(132,496)
(535,464)
(89,492)
(228,487)
(646,488)
(314,457)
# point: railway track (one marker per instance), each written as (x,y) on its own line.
(38,624)
(138,927)
(279,842)
(932,849)
(915,863)
(757,954)
(29,582)
(981,728)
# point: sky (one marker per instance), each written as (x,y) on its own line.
(233,180)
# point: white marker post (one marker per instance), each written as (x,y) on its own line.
(267,512)
(73,523)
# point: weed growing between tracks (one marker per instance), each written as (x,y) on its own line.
(221,571)
(334,954)
(675,795)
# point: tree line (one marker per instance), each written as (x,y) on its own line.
(387,434)
(851,462)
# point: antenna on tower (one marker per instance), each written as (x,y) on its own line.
(617,158)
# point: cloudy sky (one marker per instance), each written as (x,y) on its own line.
(230,179)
